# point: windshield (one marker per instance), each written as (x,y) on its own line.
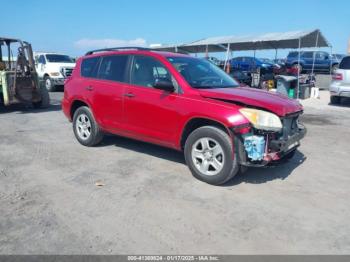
(59,59)
(200,73)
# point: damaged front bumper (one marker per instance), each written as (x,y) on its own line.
(276,146)
(287,144)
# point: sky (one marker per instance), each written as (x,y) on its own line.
(75,26)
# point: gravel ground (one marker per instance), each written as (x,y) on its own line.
(149,202)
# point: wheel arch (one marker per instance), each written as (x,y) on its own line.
(198,122)
(75,105)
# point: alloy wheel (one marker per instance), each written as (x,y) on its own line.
(83,126)
(208,156)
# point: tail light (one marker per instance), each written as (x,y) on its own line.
(337,76)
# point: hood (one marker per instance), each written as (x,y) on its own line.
(276,103)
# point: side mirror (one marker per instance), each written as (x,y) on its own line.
(164,84)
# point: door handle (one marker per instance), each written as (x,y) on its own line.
(89,88)
(129,95)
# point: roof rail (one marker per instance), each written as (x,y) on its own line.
(117,48)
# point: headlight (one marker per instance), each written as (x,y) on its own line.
(54,74)
(262,119)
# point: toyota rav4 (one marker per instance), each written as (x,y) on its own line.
(184,103)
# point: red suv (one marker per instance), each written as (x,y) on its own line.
(181,102)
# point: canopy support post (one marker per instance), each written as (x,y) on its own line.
(313,56)
(298,86)
(331,57)
(227,54)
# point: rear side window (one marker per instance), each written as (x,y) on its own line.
(89,67)
(293,54)
(345,63)
(308,55)
(113,68)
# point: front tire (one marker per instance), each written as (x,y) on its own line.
(85,128)
(210,156)
(49,84)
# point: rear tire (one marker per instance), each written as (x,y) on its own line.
(210,156)
(335,100)
(85,128)
(45,99)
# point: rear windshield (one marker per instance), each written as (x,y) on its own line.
(345,63)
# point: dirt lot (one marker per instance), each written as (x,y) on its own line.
(150,204)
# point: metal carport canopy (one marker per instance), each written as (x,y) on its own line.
(290,40)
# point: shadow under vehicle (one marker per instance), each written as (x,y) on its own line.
(19,82)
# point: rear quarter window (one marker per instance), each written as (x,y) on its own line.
(89,67)
(345,63)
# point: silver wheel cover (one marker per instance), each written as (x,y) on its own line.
(83,126)
(208,156)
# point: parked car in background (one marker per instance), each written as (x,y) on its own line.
(340,86)
(280,61)
(184,103)
(319,61)
(53,68)
(214,60)
(337,57)
(242,77)
(247,63)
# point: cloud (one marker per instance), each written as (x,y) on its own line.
(105,43)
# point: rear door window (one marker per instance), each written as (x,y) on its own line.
(113,68)
(89,67)
(345,63)
(308,55)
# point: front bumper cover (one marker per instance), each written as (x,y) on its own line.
(277,148)
(58,81)
(284,145)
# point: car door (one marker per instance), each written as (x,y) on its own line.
(150,114)
(307,59)
(323,61)
(106,88)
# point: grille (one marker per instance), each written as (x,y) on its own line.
(290,125)
(66,71)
